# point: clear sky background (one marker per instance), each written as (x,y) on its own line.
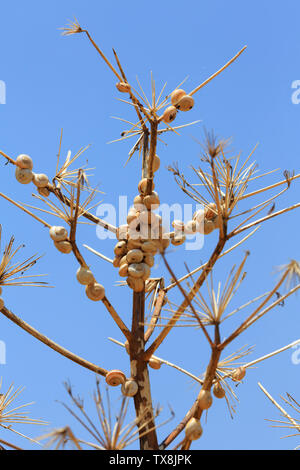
(55,82)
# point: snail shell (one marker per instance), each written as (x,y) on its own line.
(138,202)
(204,399)
(85,276)
(23,175)
(156,163)
(193,429)
(63,246)
(24,161)
(149,259)
(169,114)
(134,243)
(135,284)
(115,378)
(178,225)
(152,201)
(137,270)
(178,239)
(1,303)
(123,87)
(149,247)
(120,248)
(190,227)
(122,232)
(116,261)
(238,374)
(40,180)
(208,226)
(176,95)
(95,292)
(199,216)
(129,388)
(219,391)
(132,215)
(58,233)
(142,186)
(185,103)
(134,256)
(123,270)
(44,192)
(211,211)
(154,363)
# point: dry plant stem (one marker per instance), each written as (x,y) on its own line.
(193,291)
(152,151)
(7,158)
(25,210)
(8,444)
(145,153)
(156,314)
(117,319)
(259,221)
(139,372)
(179,428)
(87,215)
(254,193)
(51,344)
(282,410)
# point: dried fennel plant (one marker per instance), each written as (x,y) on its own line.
(222,185)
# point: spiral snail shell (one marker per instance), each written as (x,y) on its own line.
(115,377)
(24,161)
(129,388)
(204,399)
(84,276)
(23,175)
(95,291)
(64,246)
(193,429)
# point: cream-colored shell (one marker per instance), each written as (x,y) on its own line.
(44,192)
(156,163)
(129,388)
(178,225)
(238,374)
(95,292)
(193,429)
(169,114)
(154,363)
(120,248)
(149,259)
(58,233)
(137,285)
(204,399)
(219,391)
(185,103)
(134,243)
(24,161)
(23,175)
(136,270)
(122,232)
(40,180)
(84,276)
(176,95)
(115,378)
(190,227)
(123,270)
(178,240)
(152,201)
(123,87)
(149,247)
(138,202)
(63,246)
(134,256)
(116,261)
(142,186)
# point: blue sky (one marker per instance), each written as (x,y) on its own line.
(54,82)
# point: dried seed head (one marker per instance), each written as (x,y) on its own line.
(152,201)
(169,114)
(44,192)
(154,363)
(58,233)
(142,186)
(204,399)
(95,291)
(134,256)
(1,303)
(238,374)
(24,161)
(123,87)
(115,378)
(63,246)
(176,95)
(185,103)
(137,285)
(40,180)
(193,429)
(219,391)
(23,175)
(85,276)
(129,388)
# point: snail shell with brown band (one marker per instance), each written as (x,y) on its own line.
(185,103)
(169,114)
(44,192)
(154,363)
(176,95)
(123,87)
(115,377)
(193,429)
(123,270)
(142,186)
(134,256)
(120,248)
(152,201)
(238,374)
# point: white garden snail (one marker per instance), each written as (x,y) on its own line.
(142,186)
(154,363)
(95,292)
(24,161)
(58,233)
(169,114)
(120,248)
(64,246)
(138,202)
(40,180)
(84,276)
(193,429)
(176,95)
(204,399)
(116,261)
(137,285)
(238,374)
(129,388)
(136,270)
(23,175)
(149,259)
(185,103)
(219,391)
(134,256)
(152,201)
(115,378)
(123,87)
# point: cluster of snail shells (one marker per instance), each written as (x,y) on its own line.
(94,291)
(1,300)
(204,221)
(140,239)
(25,175)
(115,377)
(60,237)
(181,101)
